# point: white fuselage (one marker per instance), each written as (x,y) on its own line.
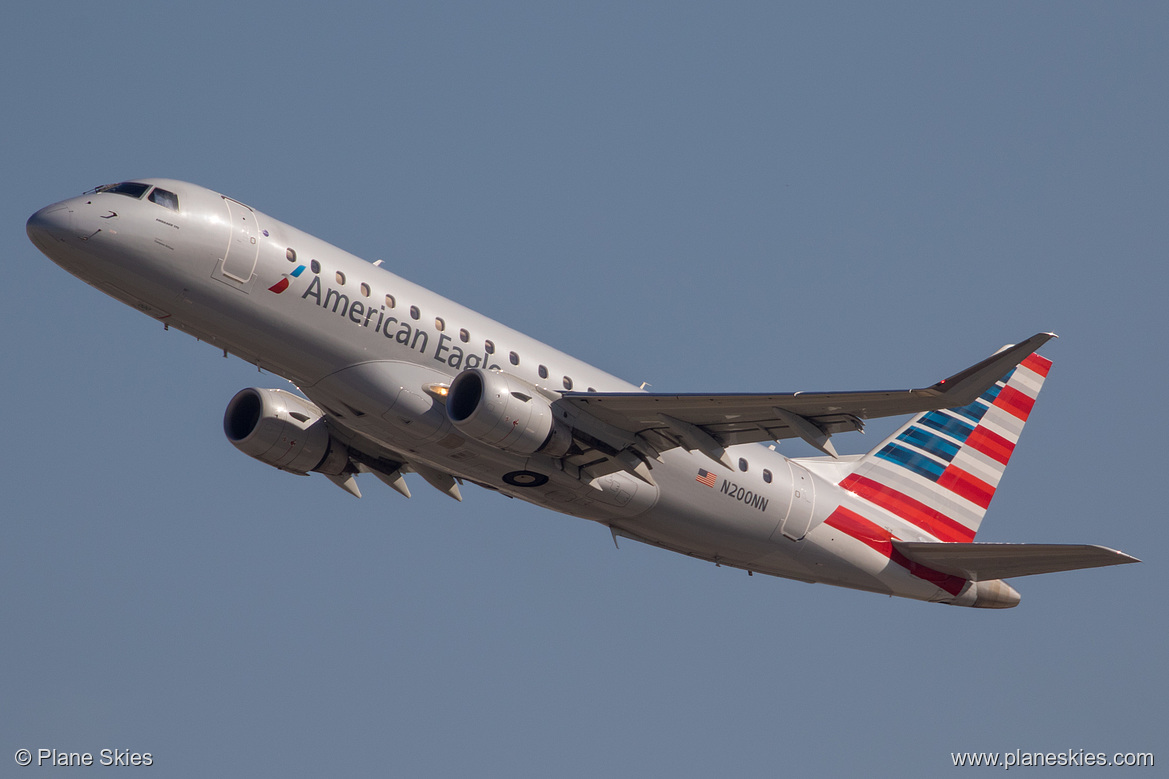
(362,343)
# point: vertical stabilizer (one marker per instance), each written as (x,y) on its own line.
(940,470)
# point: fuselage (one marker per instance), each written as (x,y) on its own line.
(365,344)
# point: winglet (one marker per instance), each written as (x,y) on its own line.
(963,387)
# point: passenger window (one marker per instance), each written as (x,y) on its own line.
(489,347)
(340,278)
(567,383)
(439,325)
(164,198)
(414,312)
(364,289)
(464,336)
(389,301)
(290,253)
(315,266)
(592,389)
(514,358)
(542,371)
(742,465)
(767,476)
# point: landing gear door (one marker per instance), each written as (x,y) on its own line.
(243,245)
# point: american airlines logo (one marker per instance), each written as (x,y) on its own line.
(379,320)
(282,285)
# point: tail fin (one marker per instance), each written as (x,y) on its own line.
(940,470)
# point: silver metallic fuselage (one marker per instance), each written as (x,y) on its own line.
(213,269)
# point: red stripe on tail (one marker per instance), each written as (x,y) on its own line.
(1040,365)
(914,511)
(1014,402)
(881,540)
(970,487)
(991,444)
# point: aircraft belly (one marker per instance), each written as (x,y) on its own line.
(721,546)
(714,514)
(381,394)
(848,562)
(615,497)
(727,518)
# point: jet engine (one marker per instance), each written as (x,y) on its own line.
(283,430)
(501,410)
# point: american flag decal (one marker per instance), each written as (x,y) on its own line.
(706,477)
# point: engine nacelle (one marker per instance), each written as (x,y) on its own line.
(283,430)
(501,410)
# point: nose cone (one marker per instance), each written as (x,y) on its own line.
(48,226)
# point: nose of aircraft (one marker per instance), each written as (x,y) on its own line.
(48,225)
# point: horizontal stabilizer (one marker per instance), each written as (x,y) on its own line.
(983,562)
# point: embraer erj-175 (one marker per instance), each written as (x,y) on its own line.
(397,379)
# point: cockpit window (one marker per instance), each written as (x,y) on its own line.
(165,198)
(128,188)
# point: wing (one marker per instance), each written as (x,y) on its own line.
(650,423)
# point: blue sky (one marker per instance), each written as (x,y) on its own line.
(730,197)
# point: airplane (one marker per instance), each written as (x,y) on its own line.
(396,379)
